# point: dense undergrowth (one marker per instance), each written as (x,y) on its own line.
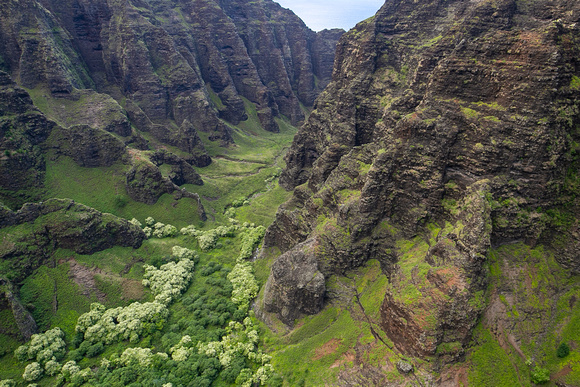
(176,310)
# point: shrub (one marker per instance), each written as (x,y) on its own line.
(43,347)
(52,367)
(69,369)
(95,349)
(244,284)
(128,323)
(142,357)
(161,230)
(563,350)
(239,202)
(170,280)
(540,375)
(32,372)
(250,240)
(207,240)
(76,355)
(184,253)
(121,201)
(136,222)
(230,212)
(190,230)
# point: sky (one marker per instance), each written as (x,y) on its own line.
(321,14)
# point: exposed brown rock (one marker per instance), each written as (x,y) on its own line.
(440,114)
(296,286)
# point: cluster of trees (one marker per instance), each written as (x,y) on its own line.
(251,237)
(45,350)
(156,229)
(240,341)
(216,339)
(171,279)
(123,323)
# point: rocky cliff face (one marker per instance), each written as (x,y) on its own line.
(189,60)
(111,73)
(23,133)
(449,127)
(32,234)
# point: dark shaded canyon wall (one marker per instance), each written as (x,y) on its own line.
(448,127)
(107,71)
(176,61)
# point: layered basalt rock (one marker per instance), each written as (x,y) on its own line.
(170,62)
(59,223)
(448,127)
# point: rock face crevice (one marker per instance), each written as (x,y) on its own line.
(448,127)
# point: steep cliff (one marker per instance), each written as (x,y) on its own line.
(23,133)
(449,128)
(171,62)
(144,75)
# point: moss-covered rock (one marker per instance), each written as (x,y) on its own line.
(87,146)
(37,229)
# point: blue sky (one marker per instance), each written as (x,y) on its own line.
(321,14)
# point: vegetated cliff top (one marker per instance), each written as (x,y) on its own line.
(449,128)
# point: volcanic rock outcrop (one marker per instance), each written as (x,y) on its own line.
(38,229)
(448,127)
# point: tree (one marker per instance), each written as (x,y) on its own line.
(563,350)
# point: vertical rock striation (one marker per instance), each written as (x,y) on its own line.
(448,127)
(171,62)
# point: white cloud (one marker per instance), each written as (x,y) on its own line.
(321,14)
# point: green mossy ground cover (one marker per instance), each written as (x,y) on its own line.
(320,347)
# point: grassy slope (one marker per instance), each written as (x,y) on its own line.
(535,300)
(245,170)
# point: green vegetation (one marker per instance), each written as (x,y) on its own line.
(540,375)
(538,295)
(575,83)
(103,336)
(161,308)
(469,113)
(490,365)
(563,350)
(321,346)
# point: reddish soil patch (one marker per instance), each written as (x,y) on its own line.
(455,376)
(560,375)
(85,278)
(346,358)
(327,349)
